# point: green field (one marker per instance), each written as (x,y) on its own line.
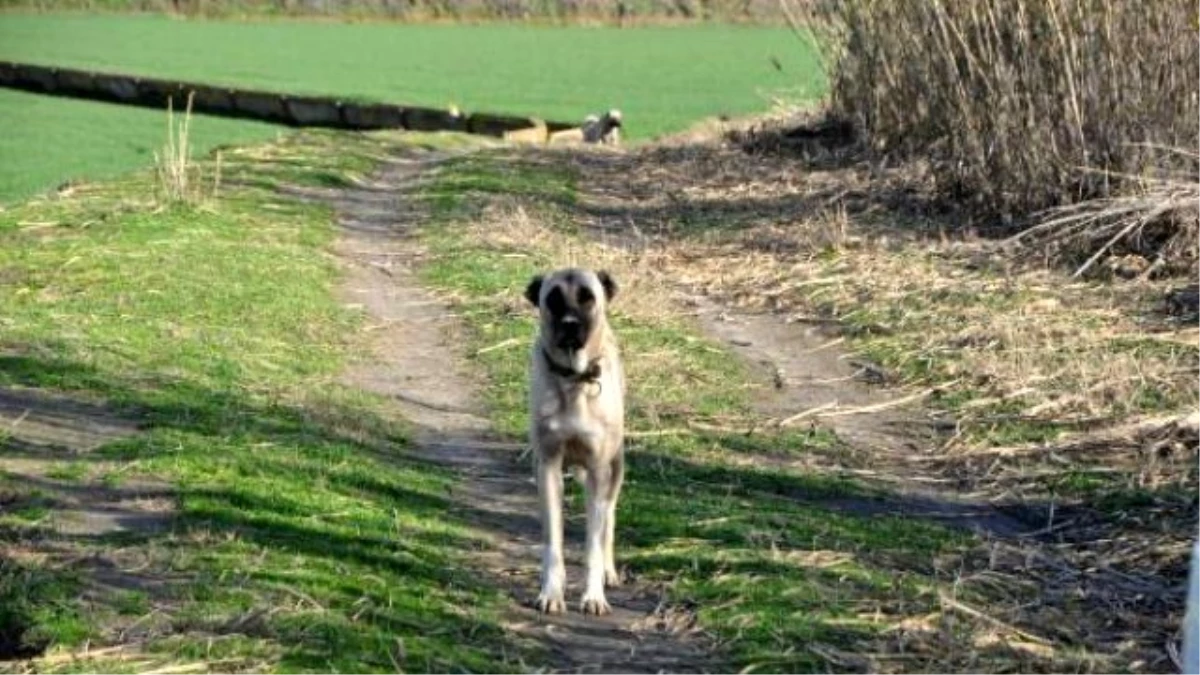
(62,140)
(663,78)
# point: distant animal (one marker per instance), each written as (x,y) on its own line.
(566,136)
(604,129)
(577,421)
(536,133)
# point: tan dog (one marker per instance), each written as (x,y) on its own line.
(566,136)
(577,409)
(536,133)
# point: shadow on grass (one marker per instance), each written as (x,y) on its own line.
(311,532)
(300,530)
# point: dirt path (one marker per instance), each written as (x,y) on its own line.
(810,374)
(47,441)
(414,362)
(48,469)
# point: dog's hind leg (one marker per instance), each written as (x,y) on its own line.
(611,577)
(599,481)
(554,573)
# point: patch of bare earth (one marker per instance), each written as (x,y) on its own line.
(808,260)
(415,360)
(72,512)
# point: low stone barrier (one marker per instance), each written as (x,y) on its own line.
(297,111)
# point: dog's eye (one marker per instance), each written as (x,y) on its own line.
(556,303)
(585,297)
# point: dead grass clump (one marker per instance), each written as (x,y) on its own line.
(179,179)
(1022,105)
(637,268)
(1155,216)
(1153,458)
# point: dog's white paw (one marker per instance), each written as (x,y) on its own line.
(594,603)
(612,578)
(551,603)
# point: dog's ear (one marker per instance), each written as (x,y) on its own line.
(609,284)
(534,290)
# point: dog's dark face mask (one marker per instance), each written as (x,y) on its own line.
(569,306)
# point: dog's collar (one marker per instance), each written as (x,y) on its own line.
(592,374)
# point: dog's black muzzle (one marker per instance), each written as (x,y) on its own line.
(571,332)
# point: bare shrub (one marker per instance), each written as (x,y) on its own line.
(1020,105)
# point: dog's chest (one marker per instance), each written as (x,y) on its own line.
(577,413)
(569,417)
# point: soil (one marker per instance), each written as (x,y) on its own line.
(43,434)
(807,372)
(44,438)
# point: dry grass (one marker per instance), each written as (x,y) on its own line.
(1025,344)
(1040,347)
(1015,96)
(1155,215)
(1048,387)
(1024,105)
(179,179)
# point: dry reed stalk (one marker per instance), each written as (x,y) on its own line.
(1123,221)
(173,164)
(1008,98)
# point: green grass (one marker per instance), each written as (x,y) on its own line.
(300,521)
(62,140)
(538,11)
(774,573)
(663,78)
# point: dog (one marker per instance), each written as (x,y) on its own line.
(604,129)
(571,136)
(577,421)
(536,133)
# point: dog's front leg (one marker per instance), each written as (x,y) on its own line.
(598,486)
(554,573)
(611,576)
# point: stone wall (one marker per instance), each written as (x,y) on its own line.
(297,111)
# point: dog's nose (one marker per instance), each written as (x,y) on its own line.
(571,332)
